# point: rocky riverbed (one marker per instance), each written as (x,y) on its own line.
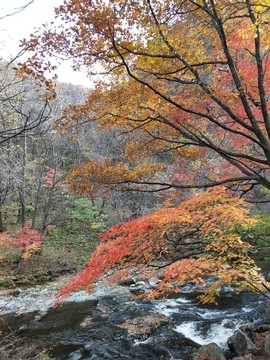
(108,324)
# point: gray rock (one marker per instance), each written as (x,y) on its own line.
(263,328)
(139,286)
(140,283)
(229,324)
(153,282)
(126,282)
(267,315)
(209,351)
(266,346)
(242,345)
(17,292)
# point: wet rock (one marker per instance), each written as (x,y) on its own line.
(17,292)
(126,282)
(266,346)
(267,315)
(168,340)
(263,328)
(143,326)
(209,351)
(153,282)
(75,351)
(242,345)
(139,287)
(138,284)
(229,324)
(250,331)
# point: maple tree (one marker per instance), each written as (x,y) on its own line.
(190,77)
(27,240)
(184,81)
(189,243)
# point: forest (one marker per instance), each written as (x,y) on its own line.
(161,168)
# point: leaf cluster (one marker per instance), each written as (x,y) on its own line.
(27,240)
(189,243)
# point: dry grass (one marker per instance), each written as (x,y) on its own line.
(15,347)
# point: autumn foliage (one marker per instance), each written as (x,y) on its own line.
(189,243)
(189,78)
(187,84)
(28,241)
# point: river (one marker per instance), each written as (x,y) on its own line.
(108,325)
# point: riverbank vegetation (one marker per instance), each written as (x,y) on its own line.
(189,244)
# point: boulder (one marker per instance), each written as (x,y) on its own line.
(242,345)
(229,324)
(210,352)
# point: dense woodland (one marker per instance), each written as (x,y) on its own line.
(167,157)
(37,205)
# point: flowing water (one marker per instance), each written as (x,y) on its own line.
(108,325)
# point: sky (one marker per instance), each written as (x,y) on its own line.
(18,26)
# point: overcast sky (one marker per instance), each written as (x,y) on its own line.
(18,26)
